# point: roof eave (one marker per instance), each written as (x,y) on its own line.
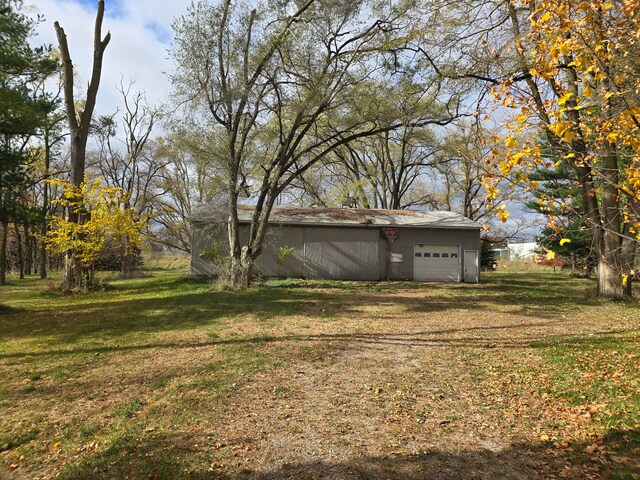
(367,225)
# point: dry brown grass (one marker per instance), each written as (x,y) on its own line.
(523,376)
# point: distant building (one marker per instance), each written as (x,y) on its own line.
(522,251)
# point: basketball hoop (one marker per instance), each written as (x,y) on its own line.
(390,233)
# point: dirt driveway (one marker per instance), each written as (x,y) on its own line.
(412,386)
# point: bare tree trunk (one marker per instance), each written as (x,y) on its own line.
(3,252)
(44,258)
(79,122)
(627,287)
(127,260)
(242,270)
(240,274)
(72,272)
(45,204)
(43,231)
(628,254)
(610,265)
(609,280)
(610,259)
(28,249)
(19,249)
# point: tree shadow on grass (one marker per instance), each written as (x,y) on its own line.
(183,455)
(116,317)
(444,338)
(7,310)
(184,303)
(539,294)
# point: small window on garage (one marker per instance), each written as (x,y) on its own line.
(436,255)
(418,254)
(427,254)
(445,255)
(454,255)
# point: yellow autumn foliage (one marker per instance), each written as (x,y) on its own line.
(583,56)
(103,217)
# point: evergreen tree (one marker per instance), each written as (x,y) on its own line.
(487,255)
(21,112)
(560,184)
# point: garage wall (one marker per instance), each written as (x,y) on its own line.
(408,237)
(333,252)
(342,253)
(203,236)
(276,238)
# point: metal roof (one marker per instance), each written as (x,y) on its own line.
(356,217)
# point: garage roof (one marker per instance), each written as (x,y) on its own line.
(356,217)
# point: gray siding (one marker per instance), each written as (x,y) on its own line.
(349,253)
(342,253)
(278,237)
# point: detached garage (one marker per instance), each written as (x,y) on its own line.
(354,244)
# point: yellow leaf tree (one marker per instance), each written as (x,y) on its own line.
(104,219)
(578,81)
(79,116)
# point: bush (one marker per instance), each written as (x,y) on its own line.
(487,255)
(110,259)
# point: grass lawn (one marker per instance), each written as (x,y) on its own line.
(523,376)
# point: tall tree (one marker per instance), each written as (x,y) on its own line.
(127,163)
(457,179)
(79,119)
(21,113)
(569,236)
(386,170)
(277,81)
(130,163)
(52,137)
(192,178)
(578,81)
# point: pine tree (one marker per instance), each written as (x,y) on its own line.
(559,183)
(21,113)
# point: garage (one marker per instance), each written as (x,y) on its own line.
(436,263)
(350,244)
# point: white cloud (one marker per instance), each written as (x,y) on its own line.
(140,36)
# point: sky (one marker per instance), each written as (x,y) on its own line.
(141,33)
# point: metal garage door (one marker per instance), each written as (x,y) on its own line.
(436,263)
(342,253)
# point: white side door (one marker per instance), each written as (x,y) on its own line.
(471,266)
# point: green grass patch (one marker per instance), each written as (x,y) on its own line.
(17,438)
(602,370)
(127,381)
(34,376)
(128,409)
(599,375)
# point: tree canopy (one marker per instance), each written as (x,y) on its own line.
(579,84)
(22,111)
